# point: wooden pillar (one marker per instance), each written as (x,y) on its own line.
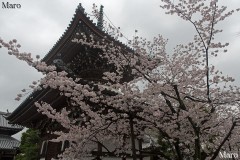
(99,151)
(140,149)
(1,153)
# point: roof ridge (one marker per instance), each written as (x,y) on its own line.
(81,10)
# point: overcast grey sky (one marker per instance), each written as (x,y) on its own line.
(37,25)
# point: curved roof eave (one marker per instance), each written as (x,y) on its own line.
(80,16)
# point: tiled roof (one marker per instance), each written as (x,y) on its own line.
(4,123)
(8,142)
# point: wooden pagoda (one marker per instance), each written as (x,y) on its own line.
(76,59)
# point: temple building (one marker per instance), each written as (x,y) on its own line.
(8,145)
(76,59)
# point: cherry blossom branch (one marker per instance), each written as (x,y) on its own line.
(215,154)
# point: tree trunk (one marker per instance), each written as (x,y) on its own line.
(132,140)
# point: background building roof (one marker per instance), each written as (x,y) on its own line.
(5,127)
(7,142)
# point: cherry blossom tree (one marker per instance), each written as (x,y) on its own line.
(186,102)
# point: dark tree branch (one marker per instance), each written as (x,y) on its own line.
(215,154)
